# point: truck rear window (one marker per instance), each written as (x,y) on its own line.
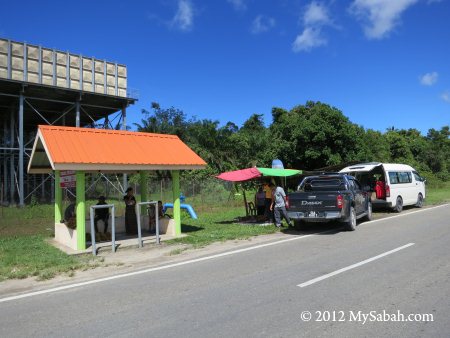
(322,185)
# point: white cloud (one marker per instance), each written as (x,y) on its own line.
(262,24)
(446,96)
(309,39)
(184,17)
(316,14)
(315,17)
(429,79)
(379,17)
(238,5)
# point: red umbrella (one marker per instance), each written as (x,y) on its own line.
(240,175)
(251,173)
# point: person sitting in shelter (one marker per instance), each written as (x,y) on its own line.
(260,201)
(152,215)
(101,214)
(70,216)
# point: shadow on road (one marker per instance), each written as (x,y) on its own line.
(329,228)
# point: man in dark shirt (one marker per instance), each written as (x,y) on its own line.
(69,216)
(101,214)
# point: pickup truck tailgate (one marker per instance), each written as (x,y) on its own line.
(317,201)
(313,205)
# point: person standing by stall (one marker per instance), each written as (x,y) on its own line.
(278,206)
(268,201)
(130,212)
(260,201)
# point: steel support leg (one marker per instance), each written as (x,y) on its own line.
(124,127)
(12,186)
(77,111)
(21,152)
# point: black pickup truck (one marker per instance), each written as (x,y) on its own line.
(330,197)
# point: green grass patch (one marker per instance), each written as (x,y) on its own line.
(25,256)
(438,195)
(219,226)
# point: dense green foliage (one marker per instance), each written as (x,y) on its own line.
(308,137)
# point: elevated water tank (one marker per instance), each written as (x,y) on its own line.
(35,64)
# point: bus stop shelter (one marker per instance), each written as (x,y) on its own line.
(85,150)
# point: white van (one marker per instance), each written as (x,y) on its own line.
(392,185)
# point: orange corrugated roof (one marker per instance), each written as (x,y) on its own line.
(84,149)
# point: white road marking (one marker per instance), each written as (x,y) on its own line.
(334,273)
(164,267)
(405,214)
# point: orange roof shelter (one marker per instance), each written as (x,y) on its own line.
(104,150)
(85,150)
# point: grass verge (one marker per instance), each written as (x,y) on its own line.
(438,195)
(218,227)
(25,256)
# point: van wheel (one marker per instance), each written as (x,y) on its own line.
(369,212)
(351,223)
(398,205)
(419,203)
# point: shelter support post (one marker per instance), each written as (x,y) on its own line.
(80,210)
(176,201)
(58,198)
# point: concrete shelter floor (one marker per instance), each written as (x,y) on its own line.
(122,241)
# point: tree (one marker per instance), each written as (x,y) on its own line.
(164,121)
(316,135)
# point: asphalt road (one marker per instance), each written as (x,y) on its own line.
(256,293)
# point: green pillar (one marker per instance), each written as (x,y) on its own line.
(81,211)
(58,198)
(176,201)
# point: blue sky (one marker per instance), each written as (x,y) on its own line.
(383,63)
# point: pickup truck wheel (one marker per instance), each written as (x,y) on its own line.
(398,205)
(369,212)
(299,225)
(419,203)
(351,223)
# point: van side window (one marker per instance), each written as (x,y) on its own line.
(393,177)
(400,177)
(404,177)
